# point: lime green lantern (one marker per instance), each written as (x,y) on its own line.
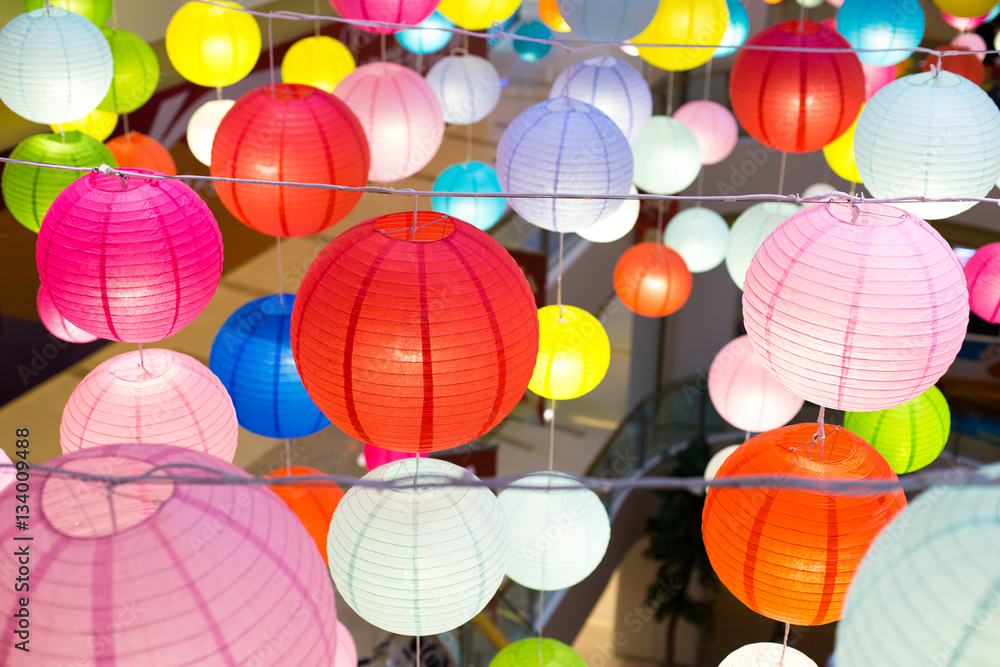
(137,71)
(543,653)
(910,435)
(97,11)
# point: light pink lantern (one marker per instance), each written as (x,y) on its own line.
(56,324)
(982,272)
(963,23)
(347,650)
(131,260)
(856,307)
(713,126)
(877,78)
(163,398)
(377,456)
(745,394)
(7,471)
(401,116)
(410,12)
(973,42)
(166,573)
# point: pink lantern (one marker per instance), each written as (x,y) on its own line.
(7,472)
(713,126)
(401,116)
(347,650)
(164,573)
(131,260)
(377,456)
(410,12)
(855,307)
(982,272)
(963,23)
(56,324)
(162,397)
(971,41)
(877,77)
(745,394)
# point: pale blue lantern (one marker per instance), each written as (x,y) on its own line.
(882,24)
(607,20)
(737,30)
(614,87)
(468,88)
(700,236)
(483,212)
(423,39)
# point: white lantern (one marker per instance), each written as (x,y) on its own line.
(202,127)
(468,88)
(418,560)
(667,157)
(717,460)
(615,225)
(766,654)
(750,229)
(614,87)
(699,235)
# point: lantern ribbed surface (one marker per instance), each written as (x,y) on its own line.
(749,230)
(202,127)
(612,86)
(481,212)
(745,394)
(440,332)
(468,88)
(614,225)
(789,554)
(737,29)
(410,12)
(55,66)
(564,146)
(138,151)
(320,61)
(651,279)
(133,262)
(699,235)
(401,117)
(573,353)
(714,127)
(982,274)
(289,132)
(166,573)
(312,502)
(882,24)
(136,72)
(376,456)
(56,324)
(796,102)
(211,44)
(418,561)
(96,11)
(252,356)
(477,14)
(29,191)
(908,117)
(97,124)
(604,20)
(429,37)
(694,22)
(166,398)
(543,652)
(666,141)
(910,436)
(857,307)
(766,654)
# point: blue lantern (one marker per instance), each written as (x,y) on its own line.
(881,24)
(532,51)
(483,212)
(737,30)
(252,356)
(421,40)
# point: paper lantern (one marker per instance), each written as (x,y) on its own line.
(401,117)
(132,261)
(613,87)
(790,554)
(7,472)
(96,11)
(212,45)
(714,463)
(376,456)
(749,231)
(56,324)
(418,561)
(548,11)
(137,151)
(892,321)
(55,66)
(347,650)
(132,573)
(699,235)
(97,124)
(162,397)
(470,177)
(604,20)
(877,78)
(289,132)
(926,591)
(737,29)
(614,225)
(666,141)
(971,41)
(766,654)
(424,39)
(448,375)
(796,102)
(694,22)
(908,118)
(543,651)
(528,50)
(136,72)
(312,502)
(965,7)
(202,127)
(882,24)
(318,61)
(468,88)
(713,126)
(963,22)
(652,280)
(910,436)
(982,274)
(29,191)
(409,12)
(477,14)
(564,146)
(964,64)
(839,155)
(573,353)
(252,355)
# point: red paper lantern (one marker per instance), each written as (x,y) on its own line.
(313,502)
(137,151)
(796,102)
(415,341)
(651,279)
(290,132)
(962,64)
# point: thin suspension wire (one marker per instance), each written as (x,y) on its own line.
(552,434)
(781,172)
(270,51)
(281,277)
(468,142)
(559,275)
(316,21)
(288,455)
(418,636)
(541,624)
(670,93)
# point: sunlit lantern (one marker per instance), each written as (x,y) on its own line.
(408,12)
(766,654)
(477,14)
(56,324)
(882,24)
(548,11)
(136,72)
(427,37)
(528,49)
(573,353)
(468,88)
(97,11)
(713,126)
(543,652)
(614,225)
(137,151)
(604,20)
(749,231)
(376,456)
(666,141)
(966,8)
(313,502)
(318,61)
(694,22)
(211,44)
(475,177)
(612,86)
(839,155)
(982,273)
(97,124)
(700,236)
(202,127)
(652,280)
(737,29)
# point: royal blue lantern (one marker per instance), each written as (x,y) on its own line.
(483,212)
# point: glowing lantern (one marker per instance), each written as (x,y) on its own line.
(97,124)
(424,38)
(312,502)
(749,231)
(564,146)
(294,133)
(876,78)
(56,324)
(477,14)
(548,11)
(481,212)
(96,11)
(140,279)
(652,280)
(809,4)
(319,61)
(713,126)
(613,87)
(604,20)
(737,29)
(468,88)
(202,127)
(790,554)
(882,24)
(666,141)
(136,72)
(418,561)
(893,320)
(55,66)
(908,118)
(529,50)
(347,650)
(409,12)
(447,376)
(963,22)
(964,64)
(971,41)
(714,463)
(376,456)
(965,7)
(766,654)
(211,44)
(839,154)
(252,355)
(573,353)
(695,22)
(401,117)
(154,397)
(7,472)
(699,235)
(614,225)
(137,151)
(982,274)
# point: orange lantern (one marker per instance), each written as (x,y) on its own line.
(652,280)
(135,150)
(962,64)
(790,554)
(548,11)
(312,502)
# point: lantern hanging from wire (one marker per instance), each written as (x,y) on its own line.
(749,230)
(612,86)
(213,45)
(881,24)
(409,12)
(766,654)
(96,11)
(666,141)
(429,36)
(472,177)
(697,23)
(312,502)
(604,20)
(713,126)
(477,14)
(530,50)
(699,235)
(136,72)
(953,60)
(614,225)
(468,88)
(318,61)
(737,29)
(574,353)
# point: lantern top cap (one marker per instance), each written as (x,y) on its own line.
(839,446)
(865,214)
(110,180)
(939,78)
(419,227)
(800,27)
(133,367)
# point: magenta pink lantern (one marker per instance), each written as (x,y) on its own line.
(714,127)
(855,307)
(165,573)
(376,456)
(963,23)
(56,324)
(134,260)
(7,471)
(410,12)
(982,272)
(877,78)
(163,397)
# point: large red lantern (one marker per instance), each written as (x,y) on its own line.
(290,132)
(792,101)
(415,332)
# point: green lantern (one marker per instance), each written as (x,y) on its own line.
(910,435)
(137,71)
(544,653)
(29,191)
(97,11)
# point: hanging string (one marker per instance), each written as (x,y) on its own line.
(288,451)
(418,636)
(468,142)
(659,224)
(382,46)
(281,277)
(541,625)
(114,15)
(670,93)
(854,187)
(316,21)
(413,225)
(559,275)
(142,360)
(821,431)
(788,626)
(62,134)
(125,122)
(111,508)
(270,52)
(781,172)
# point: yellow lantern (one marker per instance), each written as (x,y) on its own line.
(97,124)
(839,154)
(320,62)
(477,14)
(213,46)
(692,22)
(965,8)
(573,353)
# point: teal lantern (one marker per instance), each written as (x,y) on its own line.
(137,71)
(482,212)
(532,51)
